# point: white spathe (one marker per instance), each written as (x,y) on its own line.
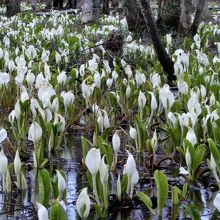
(116,142)
(183,87)
(166,97)
(191,136)
(93,160)
(61,183)
(153,103)
(83,204)
(216,201)
(42,212)
(3,163)
(3,135)
(141,100)
(133,133)
(103,169)
(35,133)
(17,164)
(188,160)
(106,122)
(154,141)
(68,98)
(130,165)
(183,171)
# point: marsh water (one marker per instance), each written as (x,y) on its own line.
(20,205)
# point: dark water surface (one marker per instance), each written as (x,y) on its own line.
(19,205)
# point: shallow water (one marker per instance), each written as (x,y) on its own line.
(19,205)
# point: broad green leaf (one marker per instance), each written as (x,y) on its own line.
(162,189)
(215,152)
(112,99)
(84,148)
(146,200)
(99,188)
(175,195)
(192,209)
(44,187)
(197,158)
(89,178)
(215,129)
(108,153)
(100,211)
(57,212)
(185,189)
(181,152)
(124,183)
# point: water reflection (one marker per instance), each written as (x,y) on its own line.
(20,205)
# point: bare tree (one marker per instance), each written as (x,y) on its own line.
(13,7)
(48,4)
(105,7)
(2,2)
(134,17)
(169,15)
(58,3)
(87,11)
(163,57)
(198,16)
(96,9)
(33,4)
(72,3)
(185,17)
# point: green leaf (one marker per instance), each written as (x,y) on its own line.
(175,195)
(215,129)
(192,209)
(124,183)
(185,189)
(197,159)
(162,189)
(112,99)
(89,178)
(57,212)
(54,183)
(44,187)
(100,211)
(215,152)
(84,148)
(99,188)
(108,154)
(146,200)
(181,152)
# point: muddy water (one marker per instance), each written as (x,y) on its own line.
(19,205)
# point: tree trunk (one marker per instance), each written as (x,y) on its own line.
(198,16)
(58,4)
(96,9)
(48,4)
(87,11)
(2,2)
(134,17)
(33,5)
(206,13)
(105,8)
(169,15)
(159,3)
(13,7)
(163,57)
(72,3)
(114,3)
(185,18)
